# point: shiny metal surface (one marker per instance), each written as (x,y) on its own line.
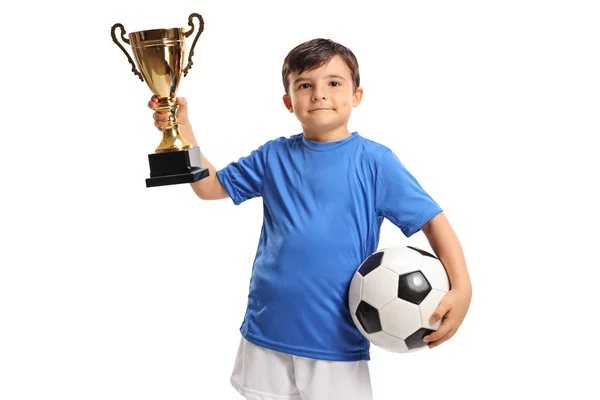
(160,55)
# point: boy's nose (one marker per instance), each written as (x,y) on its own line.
(318,96)
(319,92)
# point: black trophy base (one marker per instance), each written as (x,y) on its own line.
(175,167)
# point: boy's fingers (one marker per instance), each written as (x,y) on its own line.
(160,116)
(439,312)
(441,340)
(153,102)
(440,333)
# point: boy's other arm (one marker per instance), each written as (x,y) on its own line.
(455,304)
(445,244)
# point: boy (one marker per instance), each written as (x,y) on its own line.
(325,193)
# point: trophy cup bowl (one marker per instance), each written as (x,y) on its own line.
(160,55)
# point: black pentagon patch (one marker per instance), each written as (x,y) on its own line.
(416,339)
(413,287)
(370,263)
(368,316)
(423,252)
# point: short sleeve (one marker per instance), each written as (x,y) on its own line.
(243,179)
(400,198)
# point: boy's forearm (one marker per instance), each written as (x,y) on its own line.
(447,247)
(186,131)
(204,188)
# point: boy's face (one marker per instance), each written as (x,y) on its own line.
(322,99)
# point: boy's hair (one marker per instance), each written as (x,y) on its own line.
(314,53)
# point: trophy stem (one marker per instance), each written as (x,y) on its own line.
(171,140)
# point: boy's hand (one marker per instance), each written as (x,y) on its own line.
(452,311)
(161,118)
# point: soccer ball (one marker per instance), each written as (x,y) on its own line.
(392,295)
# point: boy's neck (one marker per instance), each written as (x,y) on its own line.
(333,135)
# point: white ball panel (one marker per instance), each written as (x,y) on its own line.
(379,287)
(388,342)
(354,298)
(428,306)
(401,259)
(400,318)
(434,271)
(355,292)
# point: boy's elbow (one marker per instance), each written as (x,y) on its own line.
(210,190)
(200,191)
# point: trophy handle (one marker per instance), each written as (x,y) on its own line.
(188,34)
(114,37)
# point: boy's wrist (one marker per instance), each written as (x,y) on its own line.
(185,130)
(461,286)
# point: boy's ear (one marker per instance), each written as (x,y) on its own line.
(357,97)
(288,102)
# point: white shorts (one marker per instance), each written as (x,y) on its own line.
(263,374)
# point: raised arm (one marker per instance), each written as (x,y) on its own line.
(209,188)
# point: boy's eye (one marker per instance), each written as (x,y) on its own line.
(334,83)
(304,86)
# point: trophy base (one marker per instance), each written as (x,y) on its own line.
(175,167)
(194,175)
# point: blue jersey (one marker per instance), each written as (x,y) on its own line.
(323,206)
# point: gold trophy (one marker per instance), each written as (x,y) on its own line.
(160,56)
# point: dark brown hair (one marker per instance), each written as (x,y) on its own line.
(314,53)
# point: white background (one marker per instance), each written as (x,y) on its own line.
(110,290)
